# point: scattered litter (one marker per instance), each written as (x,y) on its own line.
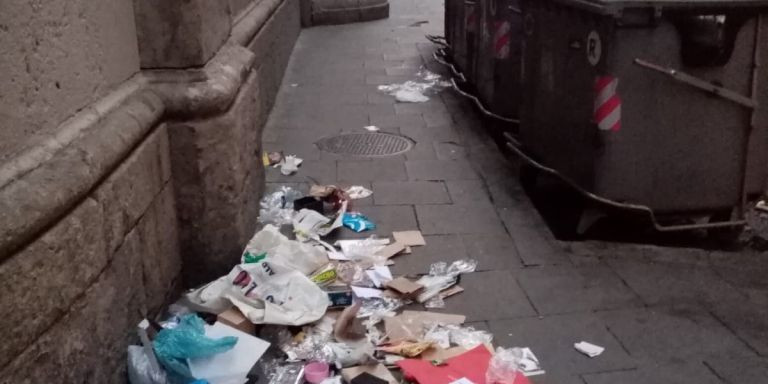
(411,324)
(407,348)
(378,370)
(404,286)
(324,276)
(371,128)
(366,293)
(316,371)
(467,337)
(290,164)
(277,207)
(356,192)
(762,206)
(272,158)
(380,275)
(235,319)
(414,91)
(390,250)
(409,238)
(363,249)
(271,245)
(357,222)
(188,340)
(232,365)
(143,367)
(588,349)
(309,224)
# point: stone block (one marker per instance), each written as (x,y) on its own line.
(459,219)
(440,170)
(87,343)
(214,161)
(45,278)
(128,192)
(348,11)
(180,33)
(411,192)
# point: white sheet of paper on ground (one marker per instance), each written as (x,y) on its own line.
(358,192)
(348,246)
(588,349)
(366,293)
(380,275)
(232,366)
(371,128)
(529,364)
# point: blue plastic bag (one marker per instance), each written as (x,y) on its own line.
(357,222)
(187,340)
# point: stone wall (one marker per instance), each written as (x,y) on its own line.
(58,57)
(123,202)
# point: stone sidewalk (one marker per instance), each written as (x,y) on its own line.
(665,315)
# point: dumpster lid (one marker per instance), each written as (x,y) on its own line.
(613,6)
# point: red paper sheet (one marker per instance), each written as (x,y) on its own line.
(471,365)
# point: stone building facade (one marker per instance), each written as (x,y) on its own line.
(129,166)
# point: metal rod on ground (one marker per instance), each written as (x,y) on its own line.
(453,69)
(699,83)
(481,106)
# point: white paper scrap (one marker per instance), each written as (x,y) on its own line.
(529,364)
(371,128)
(588,349)
(380,275)
(366,293)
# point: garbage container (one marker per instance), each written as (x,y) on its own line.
(656,105)
(465,47)
(499,57)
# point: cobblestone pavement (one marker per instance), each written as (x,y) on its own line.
(665,315)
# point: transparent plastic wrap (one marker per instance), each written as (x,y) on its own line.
(416,91)
(381,307)
(141,370)
(313,347)
(277,207)
(291,373)
(435,302)
(456,268)
(467,337)
(504,366)
(353,274)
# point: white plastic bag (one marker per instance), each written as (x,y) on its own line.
(504,366)
(269,244)
(265,293)
(141,370)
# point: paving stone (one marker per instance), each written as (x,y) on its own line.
(398,121)
(438,118)
(439,170)
(446,248)
(450,151)
(739,369)
(428,109)
(321,171)
(551,339)
(378,170)
(669,373)
(565,289)
(660,283)
(534,243)
(492,252)
(468,191)
(274,187)
(380,98)
(441,133)
(422,150)
(747,319)
(410,192)
(385,79)
(459,219)
(663,333)
(490,295)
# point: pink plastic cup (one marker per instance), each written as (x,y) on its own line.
(316,371)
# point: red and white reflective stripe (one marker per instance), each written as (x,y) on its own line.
(501,36)
(471,19)
(607,103)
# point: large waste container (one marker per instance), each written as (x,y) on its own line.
(658,104)
(499,57)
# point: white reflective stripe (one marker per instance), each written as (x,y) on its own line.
(503,53)
(502,30)
(609,121)
(606,93)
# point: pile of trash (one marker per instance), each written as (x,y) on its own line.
(305,310)
(416,91)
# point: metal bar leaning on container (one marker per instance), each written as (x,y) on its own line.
(700,84)
(514,146)
(480,104)
(444,62)
(439,40)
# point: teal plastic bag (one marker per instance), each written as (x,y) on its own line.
(186,341)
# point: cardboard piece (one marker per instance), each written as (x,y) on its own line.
(409,238)
(367,378)
(404,286)
(438,353)
(410,324)
(451,291)
(232,365)
(235,319)
(391,250)
(378,370)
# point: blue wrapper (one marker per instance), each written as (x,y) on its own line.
(357,222)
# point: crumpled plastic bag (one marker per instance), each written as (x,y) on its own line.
(141,370)
(269,244)
(174,346)
(277,207)
(266,293)
(309,224)
(357,222)
(504,366)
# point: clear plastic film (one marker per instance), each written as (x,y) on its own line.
(467,337)
(416,91)
(504,366)
(435,302)
(277,207)
(381,307)
(456,268)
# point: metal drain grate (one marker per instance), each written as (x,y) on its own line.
(366,144)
